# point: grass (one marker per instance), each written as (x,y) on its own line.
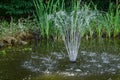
(43,11)
(15,26)
(116,21)
(111,22)
(106,24)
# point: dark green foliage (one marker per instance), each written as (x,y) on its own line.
(26,7)
(101,4)
(16,7)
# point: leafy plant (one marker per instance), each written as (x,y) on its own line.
(16,7)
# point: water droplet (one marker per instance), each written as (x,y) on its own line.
(78,70)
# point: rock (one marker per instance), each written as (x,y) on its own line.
(23,35)
(18,38)
(23,42)
(9,40)
(1,44)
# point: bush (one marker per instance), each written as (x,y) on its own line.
(16,7)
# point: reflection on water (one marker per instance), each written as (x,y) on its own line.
(97,60)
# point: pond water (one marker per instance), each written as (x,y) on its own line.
(48,60)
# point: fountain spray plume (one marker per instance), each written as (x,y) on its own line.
(71,26)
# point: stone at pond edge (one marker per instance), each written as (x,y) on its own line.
(17,38)
(1,43)
(11,41)
(23,42)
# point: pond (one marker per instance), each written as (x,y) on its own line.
(48,60)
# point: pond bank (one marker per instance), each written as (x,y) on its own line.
(20,38)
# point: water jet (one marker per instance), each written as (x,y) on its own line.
(71,25)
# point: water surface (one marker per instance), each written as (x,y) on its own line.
(48,60)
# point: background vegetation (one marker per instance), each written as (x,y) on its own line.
(26,7)
(16,8)
(11,11)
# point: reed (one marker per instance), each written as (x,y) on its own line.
(116,22)
(43,12)
(108,25)
(115,19)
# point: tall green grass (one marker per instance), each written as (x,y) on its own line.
(107,23)
(115,19)
(110,22)
(43,11)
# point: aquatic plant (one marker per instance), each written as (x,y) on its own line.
(42,12)
(115,19)
(108,25)
(105,23)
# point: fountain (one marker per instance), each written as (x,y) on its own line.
(71,26)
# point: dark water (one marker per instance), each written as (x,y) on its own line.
(48,60)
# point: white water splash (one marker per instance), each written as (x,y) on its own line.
(71,26)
